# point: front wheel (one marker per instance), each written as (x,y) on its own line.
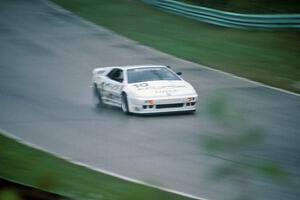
(124,104)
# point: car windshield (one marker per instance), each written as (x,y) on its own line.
(150,74)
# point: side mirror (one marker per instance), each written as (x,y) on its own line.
(179,73)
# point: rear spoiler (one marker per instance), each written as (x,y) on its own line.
(100,70)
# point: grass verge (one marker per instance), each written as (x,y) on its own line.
(271,57)
(40,169)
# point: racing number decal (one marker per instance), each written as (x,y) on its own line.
(141,85)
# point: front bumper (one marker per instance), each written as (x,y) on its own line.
(163,104)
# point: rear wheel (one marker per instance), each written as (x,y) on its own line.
(97,93)
(124,104)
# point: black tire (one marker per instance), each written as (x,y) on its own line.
(97,93)
(124,104)
(192,111)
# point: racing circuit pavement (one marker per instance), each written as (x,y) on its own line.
(46,59)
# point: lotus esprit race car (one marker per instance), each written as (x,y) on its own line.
(144,89)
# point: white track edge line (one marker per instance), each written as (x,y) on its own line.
(242,78)
(59,8)
(106,172)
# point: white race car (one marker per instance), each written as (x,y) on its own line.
(144,89)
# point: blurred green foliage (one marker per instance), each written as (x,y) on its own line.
(231,141)
(6,194)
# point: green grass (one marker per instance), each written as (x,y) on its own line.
(42,170)
(271,57)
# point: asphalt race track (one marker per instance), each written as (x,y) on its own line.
(46,59)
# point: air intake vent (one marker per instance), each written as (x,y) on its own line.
(175,105)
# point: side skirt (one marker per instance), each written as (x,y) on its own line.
(111,102)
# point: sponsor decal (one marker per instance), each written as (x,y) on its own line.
(112,86)
(145,86)
(167,92)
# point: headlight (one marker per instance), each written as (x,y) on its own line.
(189,99)
(151,102)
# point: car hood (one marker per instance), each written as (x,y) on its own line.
(152,89)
